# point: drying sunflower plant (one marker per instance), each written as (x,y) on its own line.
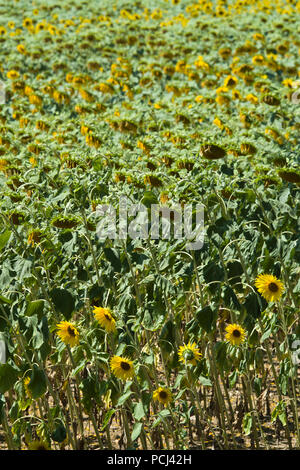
(145,342)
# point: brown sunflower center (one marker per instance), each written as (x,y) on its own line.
(231,82)
(108,317)
(125,366)
(163,395)
(273,287)
(71,331)
(236,333)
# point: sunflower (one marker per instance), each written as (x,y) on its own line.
(105,319)
(235,334)
(122,367)
(258,60)
(230,81)
(189,353)
(26,383)
(12,74)
(27,22)
(163,395)
(39,445)
(269,286)
(21,48)
(68,333)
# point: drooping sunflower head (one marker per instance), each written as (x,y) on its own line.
(163,395)
(230,81)
(105,319)
(25,383)
(189,353)
(68,333)
(235,334)
(269,287)
(39,445)
(122,367)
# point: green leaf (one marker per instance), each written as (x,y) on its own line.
(247,423)
(8,377)
(234,271)
(4,300)
(36,307)
(220,351)
(213,272)
(230,299)
(139,411)
(78,368)
(59,434)
(124,397)
(63,302)
(279,412)
(107,417)
(205,318)
(233,378)
(14,411)
(4,238)
(38,382)
(254,305)
(167,336)
(137,429)
(164,413)
(266,335)
(149,198)
(161,415)
(37,339)
(92,389)
(113,257)
(205,381)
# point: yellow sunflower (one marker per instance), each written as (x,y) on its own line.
(27,22)
(21,48)
(163,395)
(122,367)
(38,445)
(13,74)
(105,319)
(269,287)
(26,382)
(189,353)
(68,333)
(230,81)
(235,334)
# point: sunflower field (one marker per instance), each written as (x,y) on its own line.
(142,343)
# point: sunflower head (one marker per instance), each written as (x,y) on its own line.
(122,367)
(163,395)
(39,445)
(230,81)
(105,319)
(68,333)
(235,334)
(26,382)
(269,287)
(189,354)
